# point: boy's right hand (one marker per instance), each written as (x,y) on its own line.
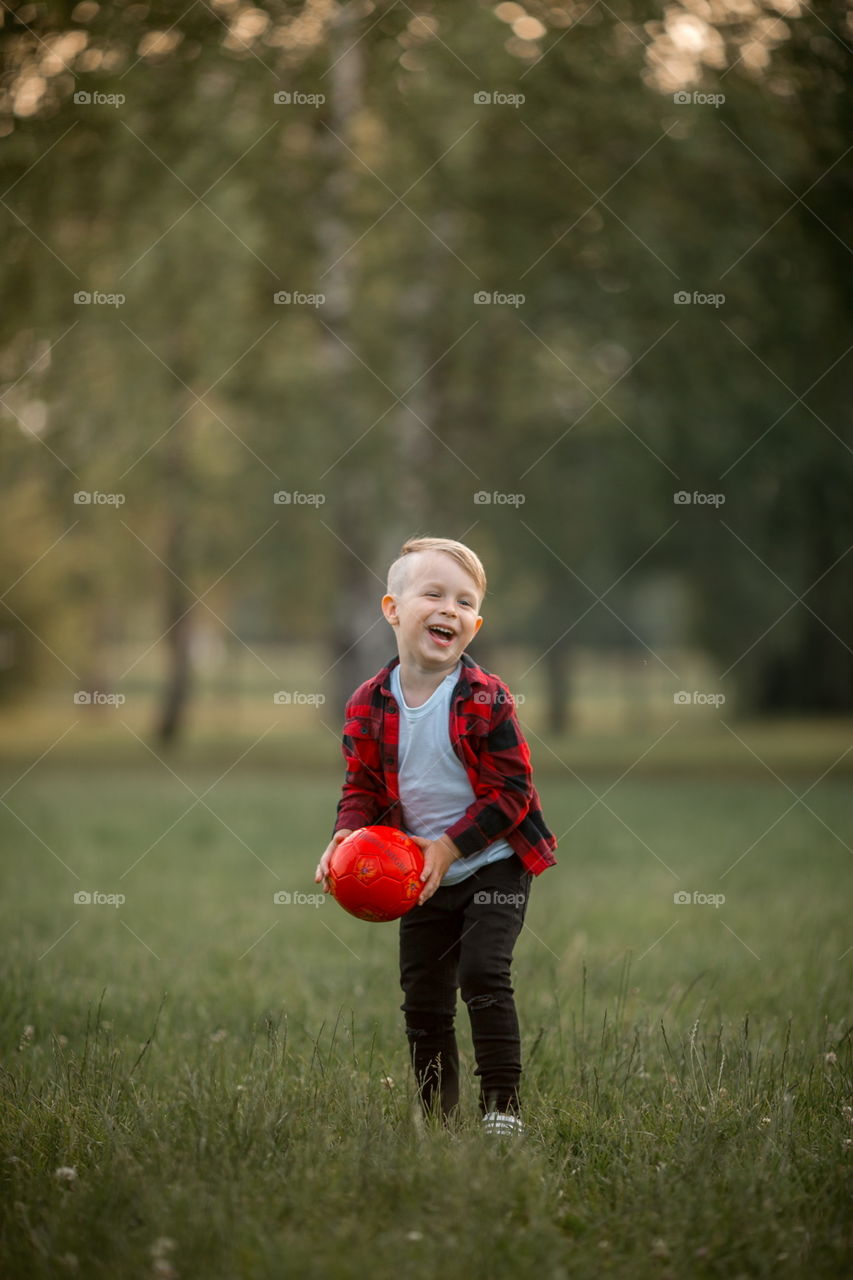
(322,872)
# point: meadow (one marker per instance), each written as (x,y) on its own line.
(202,1081)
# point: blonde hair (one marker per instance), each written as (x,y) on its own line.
(398,575)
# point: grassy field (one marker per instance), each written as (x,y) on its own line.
(225,1079)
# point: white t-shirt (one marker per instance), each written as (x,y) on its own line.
(434,787)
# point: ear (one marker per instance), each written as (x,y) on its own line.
(477,625)
(389,608)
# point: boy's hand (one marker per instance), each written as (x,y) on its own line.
(322,872)
(438,855)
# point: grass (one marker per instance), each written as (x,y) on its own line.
(229,1077)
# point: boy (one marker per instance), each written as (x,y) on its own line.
(433,747)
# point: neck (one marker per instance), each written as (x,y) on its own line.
(418,683)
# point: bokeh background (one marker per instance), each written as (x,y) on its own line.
(284,285)
(660,203)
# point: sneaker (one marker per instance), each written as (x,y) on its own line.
(503,1123)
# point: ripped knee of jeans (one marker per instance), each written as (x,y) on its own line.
(481,1002)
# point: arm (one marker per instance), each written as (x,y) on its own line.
(363,795)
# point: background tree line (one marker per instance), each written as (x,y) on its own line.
(385,186)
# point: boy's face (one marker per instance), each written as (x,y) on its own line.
(439,598)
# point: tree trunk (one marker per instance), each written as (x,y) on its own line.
(178,637)
(360,638)
(558,687)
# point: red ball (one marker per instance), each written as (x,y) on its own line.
(374,873)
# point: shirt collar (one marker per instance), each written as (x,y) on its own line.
(470,675)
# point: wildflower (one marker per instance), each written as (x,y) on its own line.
(26,1037)
(830,1057)
(161,1264)
(388,1082)
(660,1248)
(66,1173)
(414,1236)
(218,1035)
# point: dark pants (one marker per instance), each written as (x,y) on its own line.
(463,937)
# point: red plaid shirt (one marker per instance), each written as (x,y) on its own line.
(487,738)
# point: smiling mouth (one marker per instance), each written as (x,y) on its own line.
(442,635)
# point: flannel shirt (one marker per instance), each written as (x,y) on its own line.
(486,737)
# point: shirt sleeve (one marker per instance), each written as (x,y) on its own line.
(363,795)
(504,787)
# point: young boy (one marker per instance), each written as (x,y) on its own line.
(433,747)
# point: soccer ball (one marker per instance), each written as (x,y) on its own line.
(374,873)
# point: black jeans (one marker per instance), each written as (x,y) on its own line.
(463,937)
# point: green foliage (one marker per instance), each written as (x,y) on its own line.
(399,197)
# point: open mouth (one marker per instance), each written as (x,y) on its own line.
(442,635)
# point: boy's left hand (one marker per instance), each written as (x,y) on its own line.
(438,855)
